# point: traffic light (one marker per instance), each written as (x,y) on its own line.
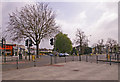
(3,42)
(51,41)
(30,42)
(26,42)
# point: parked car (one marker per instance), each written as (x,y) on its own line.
(61,55)
(51,54)
(66,54)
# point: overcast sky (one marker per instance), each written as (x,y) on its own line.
(98,19)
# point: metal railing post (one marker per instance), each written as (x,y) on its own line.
(110,60)
(17,62)
(51,60)
(65,58)
(73,57)
(34,64)
(96,59)
(55,59)
(86,58)
(79,57)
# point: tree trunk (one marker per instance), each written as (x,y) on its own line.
(37,50)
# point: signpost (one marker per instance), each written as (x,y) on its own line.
(28,43)
(79,55)
(52,43)
(51,58)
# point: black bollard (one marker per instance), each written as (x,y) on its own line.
(51,60)
(107,57)
(17,62)
(34,64)
(96,59)
(118,57)
(110,60)
(79,57)
(65,58)
(26,57)
(86,58)
(73,57)
(55,59)
(115,56)
(90,58)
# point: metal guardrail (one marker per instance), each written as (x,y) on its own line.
(54,60)
(10,58)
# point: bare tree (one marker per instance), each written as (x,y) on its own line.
(100,45)
(34,21)
(94,46)
(111,43)
(101,41)
(81,40)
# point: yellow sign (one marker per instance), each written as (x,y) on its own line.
(93,50)
(33,57)
(108,56)
(91,54)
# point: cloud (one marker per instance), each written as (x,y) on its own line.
(27,1)
(99,20)
(107,25)
(0,14)
(104,25)
(60,0)
(70,27)
(106,19)
(81,19)
(0,20)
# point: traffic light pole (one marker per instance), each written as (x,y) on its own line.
(79,55)
(28,43)
(29,49)
(29,53)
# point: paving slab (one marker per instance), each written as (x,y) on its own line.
(77,70)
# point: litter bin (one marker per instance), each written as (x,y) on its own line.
(20,56)
(33,57)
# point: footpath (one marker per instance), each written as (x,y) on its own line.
(74,70)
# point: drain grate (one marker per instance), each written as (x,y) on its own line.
(76,70)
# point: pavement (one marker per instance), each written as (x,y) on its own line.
(73,70)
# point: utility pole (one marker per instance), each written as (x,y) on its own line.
(29,49)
